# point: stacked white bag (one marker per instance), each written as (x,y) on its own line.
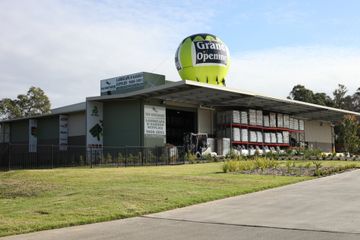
(301,125)
(252,117)
(259,117)
(244,135)
(286,121)
(236,134)
(259,137)
(267,137)
(280,120)
(291,123)
(253,136)
(296,124)
(243,117)
(286,136)
(273,138)
(279,137)
(266,121)
(272,119)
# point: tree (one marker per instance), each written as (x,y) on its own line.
(33,103)
(300,93)
(348,134)
(356,101)
(340,99)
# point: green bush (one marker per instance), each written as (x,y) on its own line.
(231,166)
(190,158)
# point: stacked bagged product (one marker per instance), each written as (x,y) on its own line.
(266,121)
(211,144)
(244,135)
(259,117)
(253,136)
(223,146)
(301,125)
(236,134)
(252,117)
(286,121)
(291,123)
(279,137)
(280,120)
(273,138)
(243,117)
(232,116)
(286,137)
(267,137)
(259,137)
(272,119)
(233,133)
(296,124)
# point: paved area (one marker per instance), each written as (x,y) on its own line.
(325,208)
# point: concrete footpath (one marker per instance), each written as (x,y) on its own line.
(324,208)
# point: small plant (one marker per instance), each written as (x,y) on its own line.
(317,165)
(190,158)
(231,166)
(120,158)
(308,165)
(288,166)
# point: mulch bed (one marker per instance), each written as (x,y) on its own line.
(295,171)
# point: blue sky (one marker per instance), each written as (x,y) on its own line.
(66,47)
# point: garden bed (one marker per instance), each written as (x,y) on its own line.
(263,166)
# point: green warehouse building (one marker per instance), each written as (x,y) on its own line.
(145,110)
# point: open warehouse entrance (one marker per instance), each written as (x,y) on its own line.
(179,122)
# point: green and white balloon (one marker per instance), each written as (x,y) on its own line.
(204,58)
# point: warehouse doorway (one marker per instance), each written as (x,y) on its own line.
(179,122)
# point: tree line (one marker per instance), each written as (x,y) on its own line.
(348,130)
(340,97)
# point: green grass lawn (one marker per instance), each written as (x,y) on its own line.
(32,200)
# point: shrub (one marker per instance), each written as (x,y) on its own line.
(317,165)
(190,157)
(231,166)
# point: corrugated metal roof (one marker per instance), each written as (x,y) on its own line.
(77,107)
(213,96)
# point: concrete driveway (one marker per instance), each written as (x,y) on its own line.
(325,208)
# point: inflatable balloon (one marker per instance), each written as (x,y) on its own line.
(203,58)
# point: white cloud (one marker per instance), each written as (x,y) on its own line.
(274,72)
(67,47)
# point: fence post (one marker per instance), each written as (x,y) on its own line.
(52,156)
(91,158)
(9,156)
(125,156)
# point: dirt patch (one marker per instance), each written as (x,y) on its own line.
(14,188)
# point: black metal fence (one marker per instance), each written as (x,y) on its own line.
(19,156)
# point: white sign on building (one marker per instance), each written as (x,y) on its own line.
(32,135)
(122,82)
(94,124)
(154,120)
(63,132)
